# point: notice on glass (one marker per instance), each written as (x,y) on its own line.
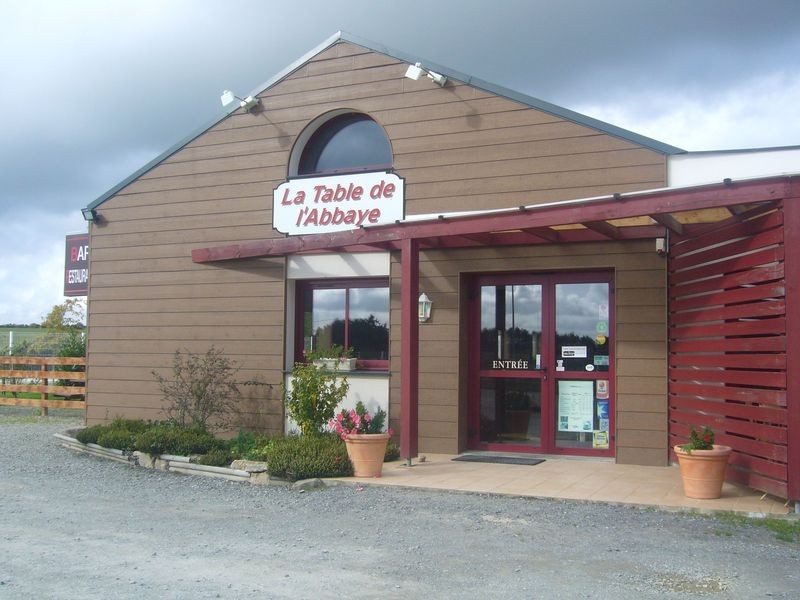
(573,352)
(600,440)
(575,405)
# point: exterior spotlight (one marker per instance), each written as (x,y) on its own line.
(425,305)
(248,103)
(90,214)
(417,70)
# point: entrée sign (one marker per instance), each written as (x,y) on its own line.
(337,203)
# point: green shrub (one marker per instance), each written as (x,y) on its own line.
(243,443)
(216,457)
(260,451)
(308,456)
(314,396)
(132,425)
(202,390)
(90,434)
(166,438)
(74,344)
(392,452)
(121,439)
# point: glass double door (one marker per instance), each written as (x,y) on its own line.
(541,364)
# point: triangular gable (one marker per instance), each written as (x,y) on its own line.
(340,36)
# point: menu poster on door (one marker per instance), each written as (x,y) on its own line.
(575,405)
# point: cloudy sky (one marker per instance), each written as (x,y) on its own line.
(92,90)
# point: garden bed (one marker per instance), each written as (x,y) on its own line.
(246,471)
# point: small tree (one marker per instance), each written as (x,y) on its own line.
(64,330)
(70,315)
(314,396)
(202,389)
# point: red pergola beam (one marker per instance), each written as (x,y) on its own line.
(603,228)
(669,222)
(651,203)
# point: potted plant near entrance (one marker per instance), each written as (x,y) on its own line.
(702,464)
(364,438)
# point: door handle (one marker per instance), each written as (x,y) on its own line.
(499,344)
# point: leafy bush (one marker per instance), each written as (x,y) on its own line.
(245,442)
(132,425)
(73,344)
(90,434)
(392,451)
(314,396)
(216,457)
(167,438)
(121,439)
(260,451)
(304,457)
(202,389)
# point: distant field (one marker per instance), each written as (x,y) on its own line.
(20,335)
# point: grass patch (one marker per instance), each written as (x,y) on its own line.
(785,530)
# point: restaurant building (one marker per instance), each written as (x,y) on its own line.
(512,276)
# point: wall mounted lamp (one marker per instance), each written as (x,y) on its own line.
(248,103)
(425,305)
(90,214)
(417,70)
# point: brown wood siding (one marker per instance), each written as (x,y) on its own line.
(458,148)
(640,285)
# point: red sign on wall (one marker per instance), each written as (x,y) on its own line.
(76,265)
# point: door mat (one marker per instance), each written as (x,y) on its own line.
(503,460)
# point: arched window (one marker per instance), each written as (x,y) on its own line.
(345,143)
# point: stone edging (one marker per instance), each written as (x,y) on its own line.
(248,472)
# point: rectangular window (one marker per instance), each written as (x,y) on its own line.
(352,314)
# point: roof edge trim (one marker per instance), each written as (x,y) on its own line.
(405,57)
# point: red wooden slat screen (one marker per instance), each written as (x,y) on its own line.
(727,345)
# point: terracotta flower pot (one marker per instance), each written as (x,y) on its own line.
(703,471)
(366,452)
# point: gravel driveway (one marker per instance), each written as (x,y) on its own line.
(74,526)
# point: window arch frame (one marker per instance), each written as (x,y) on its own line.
(317,124)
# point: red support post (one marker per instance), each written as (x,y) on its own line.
(791,241)
(409,349)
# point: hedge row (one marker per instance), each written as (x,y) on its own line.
(290,457)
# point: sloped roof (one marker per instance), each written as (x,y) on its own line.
(536,103)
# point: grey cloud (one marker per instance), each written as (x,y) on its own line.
(93,90)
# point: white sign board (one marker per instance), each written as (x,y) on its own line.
(311,205)
(573,352)
(575,403)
